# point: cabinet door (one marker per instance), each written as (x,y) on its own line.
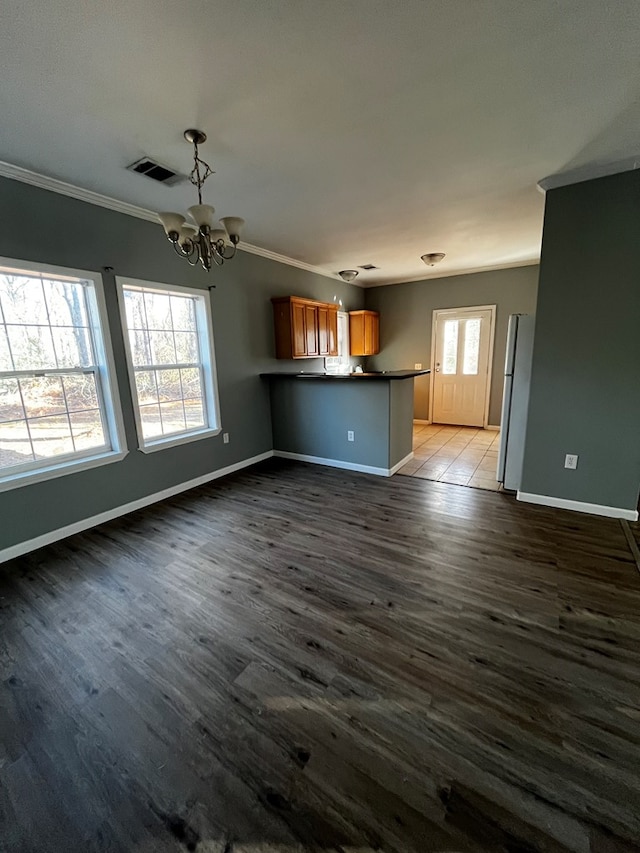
(298,330)
(323,331)
(368,334)
(311,329)
(375,334)
(333,332)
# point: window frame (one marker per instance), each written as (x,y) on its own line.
(341,363)
(204,323)
(106,386)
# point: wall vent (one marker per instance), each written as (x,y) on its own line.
(369,267)
(156,171)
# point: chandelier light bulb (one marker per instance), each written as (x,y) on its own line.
(172,223)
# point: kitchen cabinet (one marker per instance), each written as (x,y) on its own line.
(364,332)
(327,330)
(305,328)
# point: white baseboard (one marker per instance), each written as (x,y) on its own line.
(421,422)
(493,427)
(399,464)
(78,526)
(338,463)
(579,506)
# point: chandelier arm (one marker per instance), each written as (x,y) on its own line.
(177,248)
(232,255)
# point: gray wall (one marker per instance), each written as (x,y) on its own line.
(406,314)
(400,419)
(585,390)
(45,227)
(312,416)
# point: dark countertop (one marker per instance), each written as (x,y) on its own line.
(379,374)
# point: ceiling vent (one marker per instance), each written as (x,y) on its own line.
(156,171)
(369,267)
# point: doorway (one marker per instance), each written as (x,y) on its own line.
(462,356)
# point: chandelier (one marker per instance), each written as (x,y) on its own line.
(199,240)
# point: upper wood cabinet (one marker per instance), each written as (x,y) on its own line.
(305,328)
(364,332)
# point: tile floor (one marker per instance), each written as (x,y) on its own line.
(465,456)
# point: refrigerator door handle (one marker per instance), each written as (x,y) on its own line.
(504,428)
(512,337)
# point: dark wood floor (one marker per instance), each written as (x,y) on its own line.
(302,658)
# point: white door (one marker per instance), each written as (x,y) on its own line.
(460,377)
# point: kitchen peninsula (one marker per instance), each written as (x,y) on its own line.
(359,421)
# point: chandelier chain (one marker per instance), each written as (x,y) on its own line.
(195,177)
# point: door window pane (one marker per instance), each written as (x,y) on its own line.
(471,346)
(450,347)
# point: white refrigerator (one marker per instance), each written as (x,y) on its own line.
(515,400)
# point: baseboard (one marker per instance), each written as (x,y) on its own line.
(421,422)
(338,463)
(493,427)
(78,526)
(399,464)
(579,506)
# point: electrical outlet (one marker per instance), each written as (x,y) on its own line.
(225,437)
(571,461)
(350,435)
(417,366)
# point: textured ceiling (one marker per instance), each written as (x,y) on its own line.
(343,132)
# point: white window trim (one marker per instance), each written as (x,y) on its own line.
(207,348)
(28,478)
(108,382)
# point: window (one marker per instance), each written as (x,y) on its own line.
(169,341)
(340,363)
(471,346)
(57,383)
(450,355)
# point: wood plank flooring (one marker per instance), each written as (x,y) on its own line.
(299,658)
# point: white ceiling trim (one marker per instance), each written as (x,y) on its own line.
(45,182)
(588,173)
(527,262)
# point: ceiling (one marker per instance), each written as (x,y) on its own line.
(345,133)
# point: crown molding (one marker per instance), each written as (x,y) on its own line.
(588,173)
(292,262)
(45,182)
(528,262)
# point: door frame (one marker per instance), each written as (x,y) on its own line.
(439,312)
